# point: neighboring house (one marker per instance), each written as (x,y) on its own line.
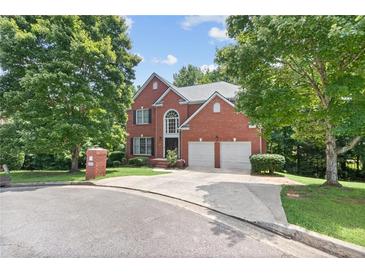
(199,121)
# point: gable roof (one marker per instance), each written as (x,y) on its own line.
(215,94)
(154,74)
(196,93)
(203,92)
(158,101)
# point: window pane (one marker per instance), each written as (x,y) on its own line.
(149,146)
(142,146)
(146,116)
(139,117)
(136,145)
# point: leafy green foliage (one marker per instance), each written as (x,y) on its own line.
(191,75)
(116,155)
(171,157)
(117,163)
(307,72)
(299,71)
(67,80)
(46,161)
(138,161)
(263,163)
(11,152)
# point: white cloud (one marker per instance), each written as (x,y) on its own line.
(219,34)
(169,60)
(206,68)
(195,20)
(129,22)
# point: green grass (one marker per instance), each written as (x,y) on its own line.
(336,212)
(43,176)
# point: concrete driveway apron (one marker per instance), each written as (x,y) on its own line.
(254,198)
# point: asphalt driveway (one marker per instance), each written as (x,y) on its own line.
(254,198)
(85,221)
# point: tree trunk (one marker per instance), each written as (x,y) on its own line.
(331,160)
(75,152)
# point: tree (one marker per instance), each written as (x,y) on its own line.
(187,76)
(66,81)
(307,72)
(191,75)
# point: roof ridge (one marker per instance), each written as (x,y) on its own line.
(207,84)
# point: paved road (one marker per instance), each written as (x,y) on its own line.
(255,198)
(83,221)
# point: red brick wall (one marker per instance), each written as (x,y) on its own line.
(192,108)
(222,126)
(170,101)
(145,99)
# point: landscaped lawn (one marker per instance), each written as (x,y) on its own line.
(337,212)
(41,176)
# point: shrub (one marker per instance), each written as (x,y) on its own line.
(138,161)
(116,156)
(117,163)
(49,161)
(124,161)
(13,161)
(267,163)
(171,157)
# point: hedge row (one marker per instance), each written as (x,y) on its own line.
(267,163)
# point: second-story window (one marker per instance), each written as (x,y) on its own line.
(142,116)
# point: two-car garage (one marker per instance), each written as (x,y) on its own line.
(230,155)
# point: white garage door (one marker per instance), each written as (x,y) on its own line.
(236,155)
(201,154)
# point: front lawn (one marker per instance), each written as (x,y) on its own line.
(42,176)
(336,212)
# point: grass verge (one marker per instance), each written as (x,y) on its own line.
(43,176)
(336,212)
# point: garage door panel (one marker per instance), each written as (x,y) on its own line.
(235,155)
(201,154)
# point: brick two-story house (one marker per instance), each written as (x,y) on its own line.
(199,122)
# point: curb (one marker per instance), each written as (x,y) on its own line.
(319,241)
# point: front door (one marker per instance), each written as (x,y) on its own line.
(171,144)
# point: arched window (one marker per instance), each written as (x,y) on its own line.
(171,122)
(217,107)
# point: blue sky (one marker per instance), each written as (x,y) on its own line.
(166,43)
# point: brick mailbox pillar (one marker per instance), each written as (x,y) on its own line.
(95,162)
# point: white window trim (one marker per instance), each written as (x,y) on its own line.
(143,121)
(134,143)
(177,120)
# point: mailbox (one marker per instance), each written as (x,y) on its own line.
(95,162)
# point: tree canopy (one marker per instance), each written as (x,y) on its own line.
(66,81)
(307,72)
(191,75)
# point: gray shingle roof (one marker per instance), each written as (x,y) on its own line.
(203,92)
